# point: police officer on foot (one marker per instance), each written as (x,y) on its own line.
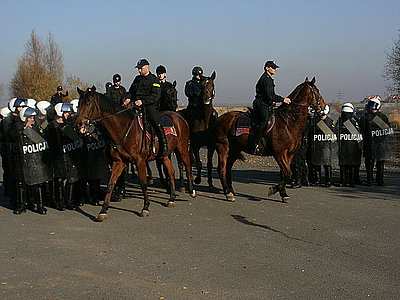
(116,91)
(265,100)
(375,128)
(145,92)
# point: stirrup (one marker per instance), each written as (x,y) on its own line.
(257,150)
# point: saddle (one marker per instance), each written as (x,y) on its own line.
(165,122)
(248,124)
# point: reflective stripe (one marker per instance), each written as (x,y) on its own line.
(156,84)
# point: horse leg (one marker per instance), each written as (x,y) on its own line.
(161,174)
(116,171)
(141,170)
(231,160)
(171,174)
(184,159)
(180,168)
(210,153)
(222,162)
(196,152)
(286,174)
(149,174)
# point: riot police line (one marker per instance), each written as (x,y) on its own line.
(367,137)
(46,162)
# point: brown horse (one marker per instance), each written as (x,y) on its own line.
(281,142)
(199,119)
(129,143)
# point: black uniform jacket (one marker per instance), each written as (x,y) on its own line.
(193,91)
(265,90)
(145,88)
(116,94)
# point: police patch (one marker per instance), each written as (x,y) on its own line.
(156,84)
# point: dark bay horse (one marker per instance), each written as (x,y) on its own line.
(199,119)
(129,143)
(281,142)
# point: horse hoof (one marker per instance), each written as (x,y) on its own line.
(271,191)
(197,180)
(285,199)
(102,217)
(145,213)
(193,194)
(171,204)
(230,197)
(181,190)
(150,181)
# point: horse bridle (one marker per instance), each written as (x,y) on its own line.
(315,97)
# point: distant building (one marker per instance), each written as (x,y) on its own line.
(367,98)
(393,99)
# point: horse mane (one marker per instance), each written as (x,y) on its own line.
(286,111)
(109,106)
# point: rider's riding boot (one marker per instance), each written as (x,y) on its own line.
(328,176)
(40,200)
(380,167)
(162,141)
(20,206)
(257,138)
(369,166)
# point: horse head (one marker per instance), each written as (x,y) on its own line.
(208,88)
(171,93)
(88,108)
(307,94)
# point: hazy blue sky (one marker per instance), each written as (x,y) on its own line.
(342,43)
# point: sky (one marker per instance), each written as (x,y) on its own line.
(342,43)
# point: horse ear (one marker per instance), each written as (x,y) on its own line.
(174,83)
(306,80)
(313,80)
(93,89)
(80,92)
(213,75)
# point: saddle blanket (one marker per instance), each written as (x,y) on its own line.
(166,124)
(246,124)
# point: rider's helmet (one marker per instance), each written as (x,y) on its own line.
(116,78)
(197,71)
(161,69)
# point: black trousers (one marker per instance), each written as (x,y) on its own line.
(262,111)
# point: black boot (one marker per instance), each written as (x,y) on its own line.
(40,199)
(68,197)
(162,142)
(380,167)
(58,194)
(20,199)
(328,176)
(94,191)
(352,176)
(369,166)
(342,176)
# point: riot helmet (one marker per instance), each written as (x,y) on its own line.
(197,71)
(325,111)
(27,112)
(75,104)
(61,108)
(5,112)
(374,104)
(17,102)
(161,69)
(43,107)
(116,78)
(348,107)
(31,103)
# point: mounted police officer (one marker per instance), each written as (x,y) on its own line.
(59,96)
(167,103)
(116,92)
(145,92)
(265,100)
(375,128)
(349,149)
(321,137)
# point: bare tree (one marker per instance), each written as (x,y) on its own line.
(392,67)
